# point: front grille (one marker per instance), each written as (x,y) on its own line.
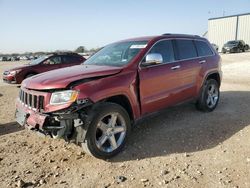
(33,101)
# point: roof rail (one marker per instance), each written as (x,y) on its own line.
(62,53)
(187,35)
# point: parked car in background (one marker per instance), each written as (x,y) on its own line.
(15,58)
(95,104)
(6,58)
(40,65)
(235,46)
(216,47)
(24,58)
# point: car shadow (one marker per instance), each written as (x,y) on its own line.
(9,128)
(182,129)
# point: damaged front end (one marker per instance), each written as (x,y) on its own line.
(66,121)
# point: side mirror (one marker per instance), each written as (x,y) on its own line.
(153,59)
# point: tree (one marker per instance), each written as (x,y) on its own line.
(80,49)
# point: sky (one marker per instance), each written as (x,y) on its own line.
(49,25)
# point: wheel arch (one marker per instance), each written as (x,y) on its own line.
(124,102)
(30,72)
(213,75)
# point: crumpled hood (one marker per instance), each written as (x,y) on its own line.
(61,78)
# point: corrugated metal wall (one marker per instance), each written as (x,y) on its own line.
(244,29)
(222,30)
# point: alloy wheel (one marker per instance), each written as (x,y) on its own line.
(212,96)
(110,132)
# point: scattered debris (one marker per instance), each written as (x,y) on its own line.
(120,179)
(42,181)
(164,172)
(64,159)
(51,161)
(144,180)
(62,182)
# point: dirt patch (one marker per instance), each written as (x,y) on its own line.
(177,147)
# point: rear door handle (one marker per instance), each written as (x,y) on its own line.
(202,61)
(175,67)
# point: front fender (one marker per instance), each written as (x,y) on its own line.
(123,83)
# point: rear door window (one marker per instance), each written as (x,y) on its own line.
(185,49)
(71,59)
(203,49)
(165,48)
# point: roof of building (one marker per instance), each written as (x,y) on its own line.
(236,15)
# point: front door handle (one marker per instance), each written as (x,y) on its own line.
(175,67)
(202,61)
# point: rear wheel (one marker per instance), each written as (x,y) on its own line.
(108,131)
(209,96)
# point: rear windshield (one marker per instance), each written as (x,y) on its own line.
(117,54)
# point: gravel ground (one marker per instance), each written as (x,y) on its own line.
(177,147)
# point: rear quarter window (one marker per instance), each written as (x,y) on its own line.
(185,49)
(203,48)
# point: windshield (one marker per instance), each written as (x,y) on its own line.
(38,60)
(117,54)
(232,42)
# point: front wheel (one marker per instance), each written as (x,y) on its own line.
(108,131)
(209,96)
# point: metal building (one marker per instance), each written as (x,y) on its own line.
(223,29)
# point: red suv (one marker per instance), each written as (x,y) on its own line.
(40,65)
(95,104)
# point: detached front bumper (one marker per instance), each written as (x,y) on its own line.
(25,116)
(66,121)
(56,125)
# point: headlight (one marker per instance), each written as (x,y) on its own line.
(63,97)
(14,72)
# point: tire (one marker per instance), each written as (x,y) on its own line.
(101,141)
(208,100)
